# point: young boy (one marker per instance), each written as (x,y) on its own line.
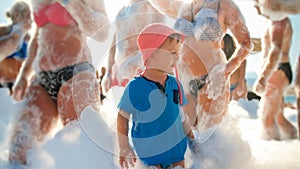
(153,100)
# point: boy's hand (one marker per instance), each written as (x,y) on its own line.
(127,157)
(194,146)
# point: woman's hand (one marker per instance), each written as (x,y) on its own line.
(19,89)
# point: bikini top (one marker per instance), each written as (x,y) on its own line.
(54,13)
(21,53)
(207,26)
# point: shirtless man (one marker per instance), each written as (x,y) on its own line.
(64,83)
(205,71)
(277,9)
(274,80)
(124,57)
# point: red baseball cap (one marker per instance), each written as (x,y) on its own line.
(152,37)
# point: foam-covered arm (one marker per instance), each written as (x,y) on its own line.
(107,79)
(26,70)
(90,16)
(237,26)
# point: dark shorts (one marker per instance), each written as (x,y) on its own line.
(7,85)
(286,68)
(53,80)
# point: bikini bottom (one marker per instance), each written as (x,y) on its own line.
(53,80)
(197,84)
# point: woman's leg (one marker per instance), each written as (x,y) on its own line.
(75,95)
(33,124)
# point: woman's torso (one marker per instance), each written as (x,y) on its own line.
(58,46)
(285,29)
(208,52)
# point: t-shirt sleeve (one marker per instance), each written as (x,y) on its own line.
(126,100)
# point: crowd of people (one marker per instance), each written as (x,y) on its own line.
(178,79)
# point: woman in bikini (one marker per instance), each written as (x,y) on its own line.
(275,78)
(64,81)
(205,71)
(13,42)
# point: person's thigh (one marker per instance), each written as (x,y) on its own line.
(75,95)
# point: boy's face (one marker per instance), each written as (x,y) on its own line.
(165,57)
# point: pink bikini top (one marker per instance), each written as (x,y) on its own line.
(54,13)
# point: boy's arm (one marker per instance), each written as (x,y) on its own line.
(193,144)
(122,128)
(126,156)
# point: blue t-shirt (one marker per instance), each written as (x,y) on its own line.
(157,132)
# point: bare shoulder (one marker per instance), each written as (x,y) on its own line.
(231,12)
(229,6)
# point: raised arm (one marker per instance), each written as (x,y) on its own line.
(91,17)
(107,79)
(235,21)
